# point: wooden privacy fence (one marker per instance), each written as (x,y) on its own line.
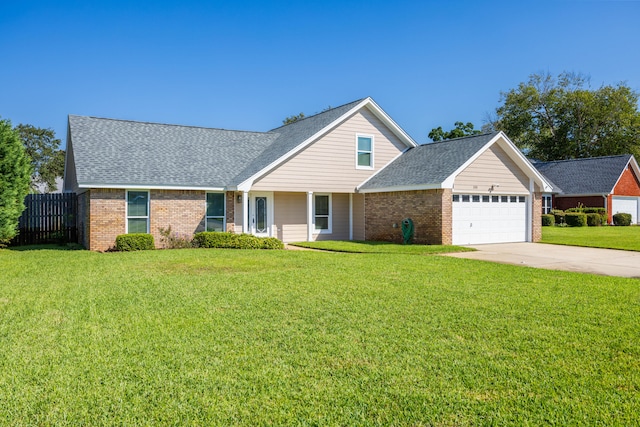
(48,218)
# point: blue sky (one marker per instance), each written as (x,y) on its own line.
(247,65)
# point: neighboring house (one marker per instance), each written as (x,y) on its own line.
(348,173)
(610,182)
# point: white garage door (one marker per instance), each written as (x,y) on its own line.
(626,205)
(489,219)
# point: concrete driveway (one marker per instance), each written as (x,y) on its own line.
(607,262)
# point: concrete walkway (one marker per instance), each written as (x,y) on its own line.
(607,262)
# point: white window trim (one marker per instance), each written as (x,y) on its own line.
(361,135)
(224,213)
(330,216)
(547,209)
(126,209)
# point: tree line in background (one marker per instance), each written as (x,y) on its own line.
(30,158)
(551,118)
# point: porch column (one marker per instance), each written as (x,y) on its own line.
(245,212)
(350,216)
(309,216)
(530,211)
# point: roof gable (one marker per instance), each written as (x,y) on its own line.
(595,175)
(437,164)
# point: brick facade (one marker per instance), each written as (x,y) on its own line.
(102,215)
(628,184)
(536,220)
(430,210)
(564,203)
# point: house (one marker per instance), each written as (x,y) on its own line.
(348,173)
(610,182)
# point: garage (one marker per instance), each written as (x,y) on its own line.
(489,219)
(626,205)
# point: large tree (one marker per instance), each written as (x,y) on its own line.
(43,148)
(15,179)
(460,130)
(563,118)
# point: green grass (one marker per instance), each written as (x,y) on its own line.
(380,247)
(229,337)
(610,237)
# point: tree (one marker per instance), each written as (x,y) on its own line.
(293,119)
(461,129)
(555,119)
(47,160)
(15,179)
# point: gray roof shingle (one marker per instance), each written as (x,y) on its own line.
(121,152)
(429,163)
(596,175)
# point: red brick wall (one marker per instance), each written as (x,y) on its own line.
(536,220)
(430,210)
(231,209)
(183,210)
(628,184)
(563,203)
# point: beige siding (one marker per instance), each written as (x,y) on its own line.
(339,219)
(329,164)
(290,216)
(358,217)
(492,167)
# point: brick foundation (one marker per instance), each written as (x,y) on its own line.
(430,210)
(536,220)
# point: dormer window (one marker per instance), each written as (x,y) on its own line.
(364,152)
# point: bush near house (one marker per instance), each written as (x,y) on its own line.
(600,211)
(594,220)
(215,239)
(623,219)
(134,242)
(558,216)
(575,219)
(548,220)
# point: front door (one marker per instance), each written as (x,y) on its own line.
(260,214)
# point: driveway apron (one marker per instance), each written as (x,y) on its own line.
(607,262)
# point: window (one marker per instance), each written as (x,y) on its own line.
(465,197)
(504,199)
(485,199)
(322,213)
(137,211)
(513,199)
(364,152)
(546,204)
(495,199)
(215,212)
(475,198)
(456,197)
(521,199)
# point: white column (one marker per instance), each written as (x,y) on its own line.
(245,212)
(350,216)
(309,216)
(530,212)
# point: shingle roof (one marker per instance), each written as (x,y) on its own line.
(120,152)
(429,163)
(596,175)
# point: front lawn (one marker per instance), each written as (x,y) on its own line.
(610,237)
(356,246)
(230,337)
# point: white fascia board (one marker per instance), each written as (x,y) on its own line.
(149,187)
(415,187)
(367,102)
(513,153)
